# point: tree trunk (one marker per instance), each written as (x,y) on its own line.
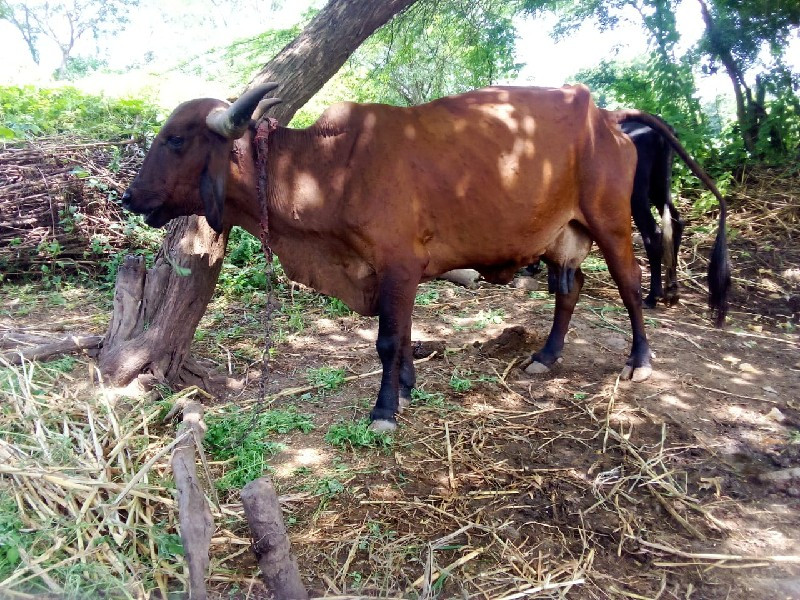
(314,56)
(744,108)
(157,312)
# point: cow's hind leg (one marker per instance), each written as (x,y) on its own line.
(566,299)
(396,301)
(672,225)
(565,279)
(618,252)
(651,238)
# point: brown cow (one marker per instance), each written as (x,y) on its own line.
(373,199)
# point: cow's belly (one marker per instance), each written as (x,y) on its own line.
(495,245)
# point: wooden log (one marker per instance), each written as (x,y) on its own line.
(270,541)
(194,516)
(13,339)
(69,344)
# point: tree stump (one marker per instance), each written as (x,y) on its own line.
(156,311)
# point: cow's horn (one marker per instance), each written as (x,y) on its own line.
(232,122)
(264,106)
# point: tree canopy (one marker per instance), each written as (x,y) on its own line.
(440,47)
(65,23)
(748,39)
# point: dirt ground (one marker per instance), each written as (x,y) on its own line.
(569,484)
(572,482)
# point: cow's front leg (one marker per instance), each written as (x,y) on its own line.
(408,376)
(396,301)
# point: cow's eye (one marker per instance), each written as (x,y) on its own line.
(175,142)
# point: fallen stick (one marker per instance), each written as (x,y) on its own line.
(786,558)
(70,344)
(296,391)
(270,541)
(193,512)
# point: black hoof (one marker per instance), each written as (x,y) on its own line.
(545,358)
(382,414)
(650,302)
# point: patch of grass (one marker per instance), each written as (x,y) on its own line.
(426,297)
(295,318)
(357,434)
(329,378)
(328,487)
(460,381)
(242,439)
(334,307)
(65,364)
(11,537)
(492,316)
(430,399)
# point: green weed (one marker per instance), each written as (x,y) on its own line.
(65,364)
(430,399)
(242,439)
(357,434)
(12,538)
(459,380)
(493,316)
(426,297)
(328,378)
(594,264)
(334,307)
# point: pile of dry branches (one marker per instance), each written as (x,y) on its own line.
(58,201)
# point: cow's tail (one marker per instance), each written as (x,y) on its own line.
(668,239)
(719,268)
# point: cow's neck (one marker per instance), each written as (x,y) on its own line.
(294,155)
(301,163)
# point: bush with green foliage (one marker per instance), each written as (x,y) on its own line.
(28,112)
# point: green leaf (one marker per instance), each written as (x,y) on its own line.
(12,555)
(181,271)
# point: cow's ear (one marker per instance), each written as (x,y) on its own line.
(212,191)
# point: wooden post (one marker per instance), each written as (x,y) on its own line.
(194,515)
(270,541)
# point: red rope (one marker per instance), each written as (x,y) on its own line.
(261,140)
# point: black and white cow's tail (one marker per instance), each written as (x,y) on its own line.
(668,239)
(719,267)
